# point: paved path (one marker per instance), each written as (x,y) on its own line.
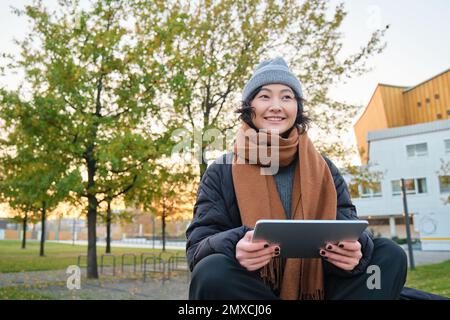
(53,283)
(125,289)
(32,278)
(130,244)
(428,257)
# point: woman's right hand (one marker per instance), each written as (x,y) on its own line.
(254,255)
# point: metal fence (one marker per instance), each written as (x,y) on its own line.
(150,263)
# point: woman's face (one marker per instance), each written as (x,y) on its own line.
(275,107)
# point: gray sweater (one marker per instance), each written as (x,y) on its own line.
(284,180)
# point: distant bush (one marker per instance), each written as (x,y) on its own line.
(403,240)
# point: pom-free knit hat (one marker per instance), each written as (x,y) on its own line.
(272,71)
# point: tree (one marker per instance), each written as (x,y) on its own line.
(315,48)
(19,216)
(90,77)
(114,173)
(174,192)
(108,226)
(364,177)
(210,56)
(166,192)
(30,183)
(102,76)
(444,177)
(222,41)
(109,217)
(23,217)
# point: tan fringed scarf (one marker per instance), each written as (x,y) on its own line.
(313,198)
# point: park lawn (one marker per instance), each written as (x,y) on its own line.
(433,278)
(57,256)
(17,293)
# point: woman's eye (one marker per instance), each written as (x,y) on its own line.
(287,97)
(264,96)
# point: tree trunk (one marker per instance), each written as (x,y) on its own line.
(58,229)
(24,238)
(108,228)
(41,252)
(91,163)
(73,231)
(92,270)
(153,231)
(203,164)
(203,167)
(164,227)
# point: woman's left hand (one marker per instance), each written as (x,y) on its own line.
(344,255)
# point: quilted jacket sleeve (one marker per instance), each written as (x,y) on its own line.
(347,211)
(212,229)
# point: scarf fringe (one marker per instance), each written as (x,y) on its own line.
(272,274)
(317,295)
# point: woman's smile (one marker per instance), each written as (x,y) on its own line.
(275,108)
(275,119)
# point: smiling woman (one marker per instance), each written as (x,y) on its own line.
(274,106)
(234,194)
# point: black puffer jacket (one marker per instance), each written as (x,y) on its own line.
(216,226)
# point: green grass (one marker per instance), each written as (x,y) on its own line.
(18,293)
(434,278)
(57,256)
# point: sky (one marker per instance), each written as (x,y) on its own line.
(418,41)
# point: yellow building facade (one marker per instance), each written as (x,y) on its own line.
(396,106)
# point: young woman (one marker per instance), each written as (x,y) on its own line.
(234,194)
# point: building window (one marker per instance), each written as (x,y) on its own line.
(354,190)
(417,150)
(439,116)
(444,184)
(447,146)
(412,186)
(359,190)
(421,185)
(436,96)
(373,192)
(419,104)
(427,100)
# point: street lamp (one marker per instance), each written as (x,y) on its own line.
(408,232)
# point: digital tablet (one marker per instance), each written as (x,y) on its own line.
(304,238)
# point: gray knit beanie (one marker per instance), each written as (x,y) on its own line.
(272,71)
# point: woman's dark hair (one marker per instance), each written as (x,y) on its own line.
(246,111)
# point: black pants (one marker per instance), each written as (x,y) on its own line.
(220,277)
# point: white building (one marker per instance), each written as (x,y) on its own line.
(420,154)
